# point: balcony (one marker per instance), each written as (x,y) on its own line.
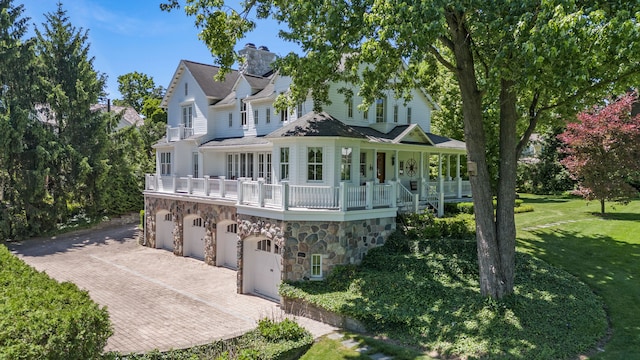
(178,133)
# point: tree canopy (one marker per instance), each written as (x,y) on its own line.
(135,88)
(516,61)
(603,151)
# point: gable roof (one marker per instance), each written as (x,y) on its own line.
(203,74)
(129,115)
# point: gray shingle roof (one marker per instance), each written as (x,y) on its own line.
(204,74)
(317,124)
(239,141)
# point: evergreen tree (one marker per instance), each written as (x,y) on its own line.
(24,140)
(70,86)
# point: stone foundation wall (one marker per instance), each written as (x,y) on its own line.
(211,215)
(340,243)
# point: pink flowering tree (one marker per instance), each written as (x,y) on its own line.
(603,149)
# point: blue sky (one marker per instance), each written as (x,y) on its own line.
(135,35)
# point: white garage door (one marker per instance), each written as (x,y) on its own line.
(266,269)
(164,231)
(194,233)
(227,246)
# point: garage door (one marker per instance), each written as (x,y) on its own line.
(194,233)
(164,231)
(266,269)
(227,246)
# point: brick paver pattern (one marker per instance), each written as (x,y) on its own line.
(156,300)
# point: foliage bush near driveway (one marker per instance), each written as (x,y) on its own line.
(271,340)
(425,293)
(43,319)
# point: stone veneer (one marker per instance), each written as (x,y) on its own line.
(211,214)
(340,243)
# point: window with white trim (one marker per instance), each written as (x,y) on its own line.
(380,109)
(299,111)
(316,265)
(284,115)
(408,115)
(165,163)
(345,164)
(197,222)
(268,119)
(230,174)
(243,113)
(230,119)
(187,116)
(363,164)
(196,169)
(350,108)
(284,163)
(395,113)
(186,89)
(168,217)
(365,114)
(314,163)
(232,228)
(264,245)
(264,166)
(255,117)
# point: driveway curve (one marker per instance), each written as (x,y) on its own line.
(156,300)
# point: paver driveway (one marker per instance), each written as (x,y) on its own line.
(155,300)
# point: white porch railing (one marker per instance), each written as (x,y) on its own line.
(345,197)
(407,199)
(178,133)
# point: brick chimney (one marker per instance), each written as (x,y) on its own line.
(257,61)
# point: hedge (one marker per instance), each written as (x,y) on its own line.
(41,318)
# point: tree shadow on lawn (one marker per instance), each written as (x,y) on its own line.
(427,304)
(618,216)
(610,267)
(544,200)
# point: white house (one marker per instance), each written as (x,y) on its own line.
(288,195)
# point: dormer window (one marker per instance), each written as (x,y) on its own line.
(187,116)
(380,110)
(350,108)
(186,89)
(408,115)
(243,113)
(284,115)
(395,113)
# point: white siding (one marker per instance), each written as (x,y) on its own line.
(195,96)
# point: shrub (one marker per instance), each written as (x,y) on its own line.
(279,331)
(41,318)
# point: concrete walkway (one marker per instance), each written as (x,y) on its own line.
(156,300)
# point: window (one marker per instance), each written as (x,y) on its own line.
(363,164)
(408,115)
(230,119)
(365,114)
(196,172)
(380,108)
(284,163)
(314,164)
(240,165)
(187,116)
(232,228)
(243,113)
(264,166)
(165,163)
(345,164)
(316,265)
(230,174)
(186,89)
(299,111)
(197,222)
(395,113)
(350,108)
(168,217)
(255,117)
(268,120)
(284,115)
(264,245)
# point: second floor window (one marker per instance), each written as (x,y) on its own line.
(314,164)
(380,109)
(255,117)
(284,163)
(408,115)
(187,116)
(299,111)
(268,119)
(350,108)
(165,163)
(395,113)
(284,115)
(230,119)
(243,113)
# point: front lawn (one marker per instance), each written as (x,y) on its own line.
(602,251)
(426,294)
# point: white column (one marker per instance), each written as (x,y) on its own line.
(189,184)
(261,192)
(285,195)
(343,196)
(448,167)
(440,175)
(222,186)
(396,174)
(458,177)
(368,195)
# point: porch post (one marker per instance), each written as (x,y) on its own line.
(458,178)
(441,204)
(175,183)
(421,179)
(368,195)
(189,184)
(396,162)
(285,195)
(440,175)
(375,164)
(222,185)
(261,192)
(239,200)
(448,167)
(394,193)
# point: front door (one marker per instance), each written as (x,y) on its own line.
(380,161)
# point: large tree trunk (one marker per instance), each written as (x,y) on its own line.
(495,239)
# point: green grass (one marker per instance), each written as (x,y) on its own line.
(327,348)
(602,251)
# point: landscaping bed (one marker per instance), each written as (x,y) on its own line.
(425,293)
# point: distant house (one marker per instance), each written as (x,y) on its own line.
(288,195)
(531,153)
(130,116)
